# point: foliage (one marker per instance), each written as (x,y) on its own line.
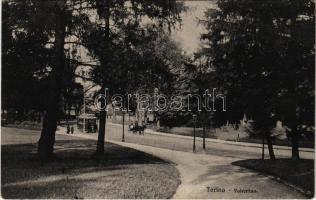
(263,55)
(25,59)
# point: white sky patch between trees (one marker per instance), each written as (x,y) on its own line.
(187,36)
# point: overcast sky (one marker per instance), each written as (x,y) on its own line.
(189,34)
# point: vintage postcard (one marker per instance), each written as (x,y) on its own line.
(157,99)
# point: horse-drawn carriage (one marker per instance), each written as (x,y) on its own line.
(134,128)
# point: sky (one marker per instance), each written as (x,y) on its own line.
(188,35)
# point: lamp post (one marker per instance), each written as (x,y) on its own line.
(156,90)
(194,120)
(262,156)
(204,120)
(123,135)
(84,102)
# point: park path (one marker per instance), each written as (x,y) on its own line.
(205,176)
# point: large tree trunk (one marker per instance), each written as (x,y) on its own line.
(47,138)
(101,134)
(104,9)
(270,147)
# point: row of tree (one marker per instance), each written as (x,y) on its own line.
(262,53)
(42,41)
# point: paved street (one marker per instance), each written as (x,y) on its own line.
(205,175)
(214,177)
(114,132)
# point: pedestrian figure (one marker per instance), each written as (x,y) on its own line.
(72,130)
(68,129)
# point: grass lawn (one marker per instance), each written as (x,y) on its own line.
(298,173)
(121,173)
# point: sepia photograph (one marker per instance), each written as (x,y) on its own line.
(157,99)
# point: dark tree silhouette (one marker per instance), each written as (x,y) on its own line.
(116,39)
(260,56)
